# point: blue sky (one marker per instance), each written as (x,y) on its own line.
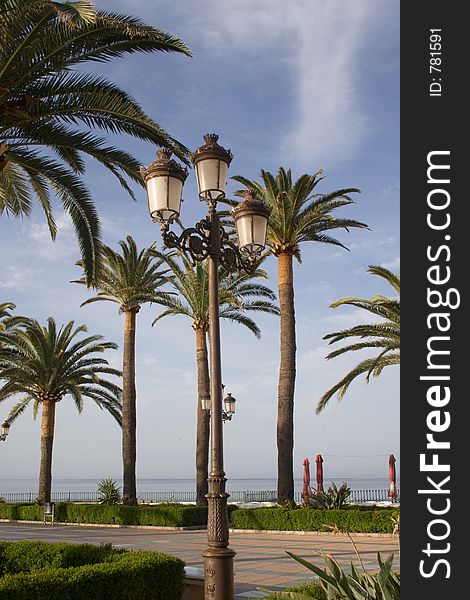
(306,85)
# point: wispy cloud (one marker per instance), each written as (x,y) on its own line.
(392,265)
(317,45)
(330,122)
(12,278)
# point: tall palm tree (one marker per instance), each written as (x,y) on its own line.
(43,365)
(298,215)
(129,279)
(238,295)
(383,335)
(49,108)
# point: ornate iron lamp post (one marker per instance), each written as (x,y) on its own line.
(164,180)
(4,431)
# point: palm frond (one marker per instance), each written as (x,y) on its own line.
(383,335)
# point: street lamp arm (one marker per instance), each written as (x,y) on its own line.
(195,242)
(233,259)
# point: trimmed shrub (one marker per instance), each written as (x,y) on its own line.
(281,519)
(308,590)
(165,515)
(31,556)
(121,575)
(25,511)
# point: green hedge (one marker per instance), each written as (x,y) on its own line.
(308,590)
(18,557)
(121,575)
(168,515)
(372,521)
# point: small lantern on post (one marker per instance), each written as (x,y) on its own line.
(164,181)
(251,220)
(206,403)
(49,512)
(4,431)
(229,404)
(211,163)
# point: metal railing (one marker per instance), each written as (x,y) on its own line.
(357,496)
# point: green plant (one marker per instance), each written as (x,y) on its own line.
(309,519)
(339,585)
(44,364)
(383,335)
(298,215)
(40,571)
(129,278)
(51,109)
(109,492)
(26,557)
(333,499)
(238,295)
(67,512)
(306,591)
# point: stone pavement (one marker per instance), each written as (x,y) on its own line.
(261,560)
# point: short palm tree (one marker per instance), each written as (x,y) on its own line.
(383,335)
(238,295)
(48,108)
(129,279)
(298,215)
(8,322)
(45,364)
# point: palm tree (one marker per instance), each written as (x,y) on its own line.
(237,296)
(384,335)
(48,108)
(129,279)
(43,364)
(8,322)
(297,215)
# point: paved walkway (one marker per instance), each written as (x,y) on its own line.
(261,560)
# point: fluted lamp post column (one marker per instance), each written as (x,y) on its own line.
(164,180)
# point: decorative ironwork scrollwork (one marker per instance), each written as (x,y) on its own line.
(196,242)
(232,259)
(193,241)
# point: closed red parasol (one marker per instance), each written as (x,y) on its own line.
(306,491)
(319,461)
(392,491)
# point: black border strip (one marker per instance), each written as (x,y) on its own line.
(434,232)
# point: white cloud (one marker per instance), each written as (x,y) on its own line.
(392,265)
(12,278)
(319,43)
(330,122)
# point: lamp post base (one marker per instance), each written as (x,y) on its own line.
(218,573)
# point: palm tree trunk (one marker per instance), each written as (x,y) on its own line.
(285,407)
(47,440)
(129,494)
(203,419)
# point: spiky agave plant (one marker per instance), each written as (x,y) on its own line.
(109,492)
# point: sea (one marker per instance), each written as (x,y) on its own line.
(186,485)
